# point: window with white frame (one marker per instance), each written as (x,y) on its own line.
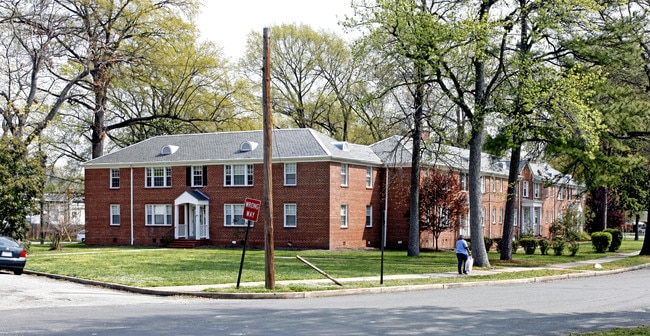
(157,177)
(115,214)
(537,190)
(560,193)
(115,178)
(500,215)
(494,184)
(569,193)
(158,214)
(525,187)
(368,215)
(198,179)
(290,174)
(344,215)
(500,185)
(233,215)
(238,175)
(290,218)
(482,216)
(368,177)
(463,181)
(344,174)
(516,219)
(494,215)
(483,184)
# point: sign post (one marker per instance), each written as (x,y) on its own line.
(251,212)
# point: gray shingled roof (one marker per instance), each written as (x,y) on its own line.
(396,151)
(205,148)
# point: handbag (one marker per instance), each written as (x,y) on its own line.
(469,263)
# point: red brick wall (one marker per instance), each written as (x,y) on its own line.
(316,204)
(356,196)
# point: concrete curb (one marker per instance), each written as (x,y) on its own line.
(338,292)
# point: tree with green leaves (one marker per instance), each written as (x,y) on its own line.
(454,39)
(311,75)
(442,203)
(21,182)
(616,42)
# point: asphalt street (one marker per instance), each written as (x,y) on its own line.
(32,305)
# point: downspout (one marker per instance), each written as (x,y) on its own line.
(383,228)
(131,182)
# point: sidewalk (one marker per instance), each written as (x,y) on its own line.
(197,290)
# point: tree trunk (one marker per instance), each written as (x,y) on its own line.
(414,214)
(509,221)
(100,87)
(476,229)
(645,249)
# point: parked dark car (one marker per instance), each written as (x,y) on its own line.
(12,255)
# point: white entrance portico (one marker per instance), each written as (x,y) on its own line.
(195,222)
(531,217)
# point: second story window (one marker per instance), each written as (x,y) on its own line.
(368,177)
(238,175)
(344,174)
(158,177)
(290,174)
(483,184)
(463,181)
(537,190)
(560,193)
(525,191)
(197,176)
(115,178)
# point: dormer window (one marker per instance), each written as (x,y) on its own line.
(247,146)
(344,146)
(168,150)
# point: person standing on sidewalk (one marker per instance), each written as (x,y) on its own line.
(462,252)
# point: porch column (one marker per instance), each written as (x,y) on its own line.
(175,221)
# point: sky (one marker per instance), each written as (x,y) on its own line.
(228,22)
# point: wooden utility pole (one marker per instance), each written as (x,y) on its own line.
(269,266)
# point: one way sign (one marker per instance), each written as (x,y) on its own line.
(251,209)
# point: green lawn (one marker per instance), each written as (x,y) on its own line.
(151,267)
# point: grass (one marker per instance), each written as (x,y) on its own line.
(151,267)
(633,331)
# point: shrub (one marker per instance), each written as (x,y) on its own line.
(529,245)
(558,246)
(600,241)
(166,240)
(498,242)
(543,246)
(568,226)
(574,247)
(515,245)
(584,235)
(488,243)
(617,239)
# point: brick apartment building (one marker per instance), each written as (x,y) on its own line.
(327,194)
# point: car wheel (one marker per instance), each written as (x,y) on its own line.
(18,271)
